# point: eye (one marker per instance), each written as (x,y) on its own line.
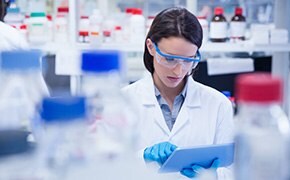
(169,59)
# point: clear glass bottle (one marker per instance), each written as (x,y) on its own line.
(101,84)
(262,129)
(218,26)
(113,118)
(61,142)
(22,88)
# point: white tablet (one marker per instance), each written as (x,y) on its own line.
(199,155)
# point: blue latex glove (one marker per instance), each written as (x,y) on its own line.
(195,170)
(159,152)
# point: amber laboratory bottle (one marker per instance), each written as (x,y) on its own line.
(218,26)
(238,25)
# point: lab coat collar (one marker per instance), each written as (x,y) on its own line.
(192,93)
(192,101)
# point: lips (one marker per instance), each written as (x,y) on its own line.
(173,79)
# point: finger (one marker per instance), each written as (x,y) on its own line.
(197,169)
(154,153)
(216,163)
(173,147)
(162,154)
(188,173)
(169,149)
(147,154)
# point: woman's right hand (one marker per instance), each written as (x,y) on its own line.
(159,152)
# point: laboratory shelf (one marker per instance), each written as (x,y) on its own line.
(244,47)
(52,48)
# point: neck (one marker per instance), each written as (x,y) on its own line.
(168,93)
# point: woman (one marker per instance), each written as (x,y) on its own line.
(175,110)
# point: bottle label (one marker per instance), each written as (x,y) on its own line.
(218,30)
(237,29)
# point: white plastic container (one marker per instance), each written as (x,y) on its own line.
(84,27)
(37,28)
(118,35)
(149,23)
(137,27)
(205,27)
(126,24)
(61,25)
(95,28)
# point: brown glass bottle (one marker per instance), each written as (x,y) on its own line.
(238,25)
(218,26)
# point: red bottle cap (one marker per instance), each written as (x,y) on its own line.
(83,33)
(137,11)
(63,9)
(218,11)
(118,28)
(259,87)
(239,11)
(129,10)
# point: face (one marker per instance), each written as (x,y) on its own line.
(171,74)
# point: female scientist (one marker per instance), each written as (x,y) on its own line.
(177,111)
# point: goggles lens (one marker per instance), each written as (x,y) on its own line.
(171,60)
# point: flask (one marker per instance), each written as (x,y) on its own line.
(262,129)
(218,26)
(22,88)
(238,25)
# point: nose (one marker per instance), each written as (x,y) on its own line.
(177,70)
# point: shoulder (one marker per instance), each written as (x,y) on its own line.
(137,86)
(209,94)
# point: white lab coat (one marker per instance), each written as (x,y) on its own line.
(11,38)
(206,117)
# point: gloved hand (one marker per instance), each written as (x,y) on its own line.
(159,152)
(195,170)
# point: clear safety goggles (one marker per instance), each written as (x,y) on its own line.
(171,61)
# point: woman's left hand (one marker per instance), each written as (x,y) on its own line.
(195,170)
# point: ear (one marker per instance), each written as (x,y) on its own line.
(150,46)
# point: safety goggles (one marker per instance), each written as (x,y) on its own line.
(171,61)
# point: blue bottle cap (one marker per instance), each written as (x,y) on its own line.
(20,59)
(99,61)
(63,109)
(14,10)
(227,93)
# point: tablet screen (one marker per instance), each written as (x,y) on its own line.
(199,155)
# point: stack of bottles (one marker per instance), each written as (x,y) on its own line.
(219,26)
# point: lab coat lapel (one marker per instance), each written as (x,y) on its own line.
(149,101)
(192,101)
